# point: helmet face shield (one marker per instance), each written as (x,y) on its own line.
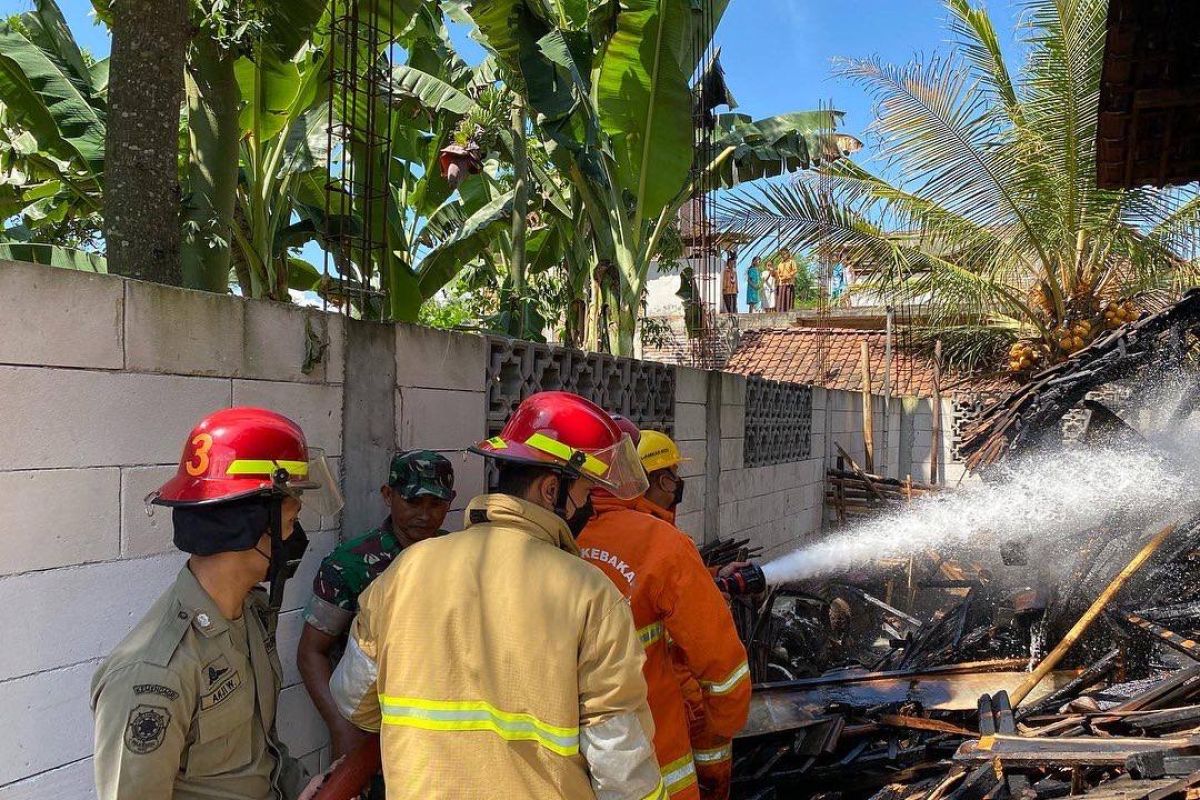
(316,489)
(617,469)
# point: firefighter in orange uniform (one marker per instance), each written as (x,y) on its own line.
(677,609)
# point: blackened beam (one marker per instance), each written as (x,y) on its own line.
(1183,644)
(895,612)
(1090,675)
(792,705)
(1181,611)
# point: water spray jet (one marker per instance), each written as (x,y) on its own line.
(1040,504)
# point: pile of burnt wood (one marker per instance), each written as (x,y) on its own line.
(934,679)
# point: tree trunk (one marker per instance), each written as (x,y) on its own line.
(141,181)
(516,264)
(213,134)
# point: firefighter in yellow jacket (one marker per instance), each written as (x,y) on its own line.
(494,661)
(682,618)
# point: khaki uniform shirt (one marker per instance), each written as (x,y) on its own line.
(185,705)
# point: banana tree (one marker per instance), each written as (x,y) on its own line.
(228,102)
(52,127)
(430,228)
(284,143)
(610,86)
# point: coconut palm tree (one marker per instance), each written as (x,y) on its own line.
(996,222)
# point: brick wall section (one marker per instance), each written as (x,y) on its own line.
(777,506)
(101,379)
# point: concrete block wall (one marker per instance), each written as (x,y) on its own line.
(441,403)
(100,381)
(691,432)
(775,506)
(780,506)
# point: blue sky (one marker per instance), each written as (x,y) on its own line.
(777,54)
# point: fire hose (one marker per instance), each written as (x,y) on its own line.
(351,774)
(744,580)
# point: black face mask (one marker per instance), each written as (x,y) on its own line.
(580,518)
(285,560)
(678,496)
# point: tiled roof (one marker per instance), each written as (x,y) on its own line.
(795,355)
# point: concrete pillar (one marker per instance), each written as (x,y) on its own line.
(712,461)
(908,414)
(368,422)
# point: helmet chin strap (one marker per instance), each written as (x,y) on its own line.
(562,494)
(567,477)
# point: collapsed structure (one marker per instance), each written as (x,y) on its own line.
(927,677)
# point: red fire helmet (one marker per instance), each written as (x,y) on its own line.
(567,432)
(240,452)
(626,425)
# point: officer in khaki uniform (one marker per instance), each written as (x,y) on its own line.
(185,705)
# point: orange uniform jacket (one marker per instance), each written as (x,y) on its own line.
(673,597)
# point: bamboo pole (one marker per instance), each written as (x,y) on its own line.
(935,449)
(1089,616)
(868,417)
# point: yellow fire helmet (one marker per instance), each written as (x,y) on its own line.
(657,451)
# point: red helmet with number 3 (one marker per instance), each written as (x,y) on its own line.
(572,434)
(241,452)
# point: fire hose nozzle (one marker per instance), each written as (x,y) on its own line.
(744,580)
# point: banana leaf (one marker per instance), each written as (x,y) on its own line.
(644,102)
(41,98)
(53,256)
(442,263)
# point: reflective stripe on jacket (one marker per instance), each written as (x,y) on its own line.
(497,663)
(673,598)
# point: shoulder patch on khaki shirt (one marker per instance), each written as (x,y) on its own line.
(146,729)
(156,688)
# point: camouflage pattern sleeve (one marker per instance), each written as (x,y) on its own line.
(333,602)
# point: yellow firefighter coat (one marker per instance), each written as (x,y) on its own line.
(497,663)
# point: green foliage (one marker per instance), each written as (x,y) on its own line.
(609,84)
(52,127)
(806,288)
(446,314)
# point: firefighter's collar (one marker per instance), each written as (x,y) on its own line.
(506,510)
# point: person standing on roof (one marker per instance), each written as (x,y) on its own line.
(729,284)
(677,607)
(753,284)
(418,493)
(494,661)
(785,275)
(185,705)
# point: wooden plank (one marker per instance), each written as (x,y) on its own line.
(868,416)
(859,472)
(1064,751)
(935,448)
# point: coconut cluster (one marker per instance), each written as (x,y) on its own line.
(1118,312)
(1026,356)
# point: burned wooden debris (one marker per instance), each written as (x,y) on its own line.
(1157,342)
(916,682)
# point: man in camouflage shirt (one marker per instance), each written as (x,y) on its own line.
(418,493)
